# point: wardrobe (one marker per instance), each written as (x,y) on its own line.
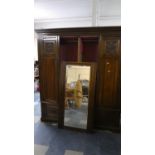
(98,45)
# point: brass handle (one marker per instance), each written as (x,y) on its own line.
(109,71)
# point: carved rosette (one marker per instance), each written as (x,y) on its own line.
(49,47)
(111,47)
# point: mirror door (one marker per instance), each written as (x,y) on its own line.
(78,95)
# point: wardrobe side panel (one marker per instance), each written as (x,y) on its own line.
(48,70)
(108,96)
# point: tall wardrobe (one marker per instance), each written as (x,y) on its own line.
(99,45)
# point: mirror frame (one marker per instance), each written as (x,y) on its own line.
(91,97)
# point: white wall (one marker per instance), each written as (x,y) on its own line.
(35,47)
(77,13)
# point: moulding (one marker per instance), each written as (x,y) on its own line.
(76,22)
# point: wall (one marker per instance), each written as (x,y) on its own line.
(35,48)
(77,13)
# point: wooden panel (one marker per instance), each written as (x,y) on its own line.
(108,96)
(68,52)
(111,47)
(48,65)
(52,112)
(108,80)
(107,118)
(108,85)
(90,50)
(68,49)
(49,45)
(48,78)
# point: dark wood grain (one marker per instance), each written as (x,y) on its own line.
(48,77)
(101,45)
(108,97)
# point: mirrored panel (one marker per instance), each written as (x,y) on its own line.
(76,96)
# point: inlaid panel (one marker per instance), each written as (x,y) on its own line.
(111,47)
(50,45)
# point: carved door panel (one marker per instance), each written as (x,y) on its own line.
(111,47)
(48,77)
(109,73)
(108,84)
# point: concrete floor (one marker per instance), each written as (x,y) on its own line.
(50,140)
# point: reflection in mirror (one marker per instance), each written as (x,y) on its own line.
(76,96)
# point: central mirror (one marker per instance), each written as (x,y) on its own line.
(77,86)
(76,96)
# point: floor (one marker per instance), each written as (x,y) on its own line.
(50,140)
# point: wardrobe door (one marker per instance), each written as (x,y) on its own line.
(109,74)
(108,87)
(48,63)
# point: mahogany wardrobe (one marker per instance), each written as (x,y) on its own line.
(98,46)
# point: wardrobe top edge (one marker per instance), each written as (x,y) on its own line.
(79,29)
